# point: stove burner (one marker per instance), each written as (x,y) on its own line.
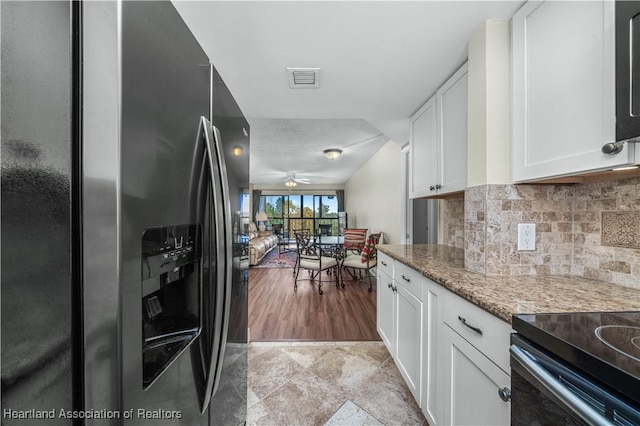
(621,338)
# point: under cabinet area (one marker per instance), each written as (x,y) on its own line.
(438,140)
(563,60)
(452,354)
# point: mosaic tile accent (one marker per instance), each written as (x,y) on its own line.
(621,229)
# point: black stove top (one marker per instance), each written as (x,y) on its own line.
(604,345)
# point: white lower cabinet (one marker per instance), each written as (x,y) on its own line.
(400,320)
(386,310)
(431,400)
(471,384)
(409,338)
(452,354)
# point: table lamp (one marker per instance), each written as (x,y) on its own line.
(261,217)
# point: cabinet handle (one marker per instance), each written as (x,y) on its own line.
(383,263)
(406,279)
(464,321)
(438,186)
(505,394)
(390,285)
(613,148)
(432,188)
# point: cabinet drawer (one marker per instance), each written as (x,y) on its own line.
(408,278)
(486,332)
(385,264)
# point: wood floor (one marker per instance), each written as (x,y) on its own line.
(278,312)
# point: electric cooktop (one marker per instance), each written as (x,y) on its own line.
(604,345)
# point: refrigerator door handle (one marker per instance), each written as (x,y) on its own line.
(217,174)
(228,244)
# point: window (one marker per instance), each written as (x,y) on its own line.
(307,211)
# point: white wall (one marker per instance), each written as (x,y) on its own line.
(373,195)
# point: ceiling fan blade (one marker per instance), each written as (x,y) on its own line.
(304,181)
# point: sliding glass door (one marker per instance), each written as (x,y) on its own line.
(316,213)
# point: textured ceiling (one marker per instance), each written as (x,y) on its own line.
(379,62)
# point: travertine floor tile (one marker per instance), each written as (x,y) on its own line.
(271,370)
(351,383)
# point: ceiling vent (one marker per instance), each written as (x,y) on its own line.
(303,78)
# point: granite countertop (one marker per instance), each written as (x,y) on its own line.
(504,296)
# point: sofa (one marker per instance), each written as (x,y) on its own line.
(260,243)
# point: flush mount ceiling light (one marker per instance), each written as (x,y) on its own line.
(237,151)
(332,153)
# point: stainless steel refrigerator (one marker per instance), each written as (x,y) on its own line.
(124,270)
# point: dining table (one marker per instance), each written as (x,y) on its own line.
(330,241)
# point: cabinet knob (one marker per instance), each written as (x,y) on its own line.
(390,286)
(613,148)
(438,186)
(505,394)
(432,188)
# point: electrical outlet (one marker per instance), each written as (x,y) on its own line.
(526,236)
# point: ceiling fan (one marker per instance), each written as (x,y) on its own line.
(292,181)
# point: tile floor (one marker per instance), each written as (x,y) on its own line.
(327,383)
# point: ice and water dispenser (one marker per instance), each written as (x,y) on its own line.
(171,295)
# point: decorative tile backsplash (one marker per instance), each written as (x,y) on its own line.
(452,211)
(590,230)
(621,229)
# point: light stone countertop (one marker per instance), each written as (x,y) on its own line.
(503,295)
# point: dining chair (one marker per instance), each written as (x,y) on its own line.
(301,231)
(359,264)
(311,257)
(354,239)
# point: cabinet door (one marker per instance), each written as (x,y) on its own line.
(452,108)
(423,151)
(431,395)
(409,339)
(563,89)
(386,311)
(471,383)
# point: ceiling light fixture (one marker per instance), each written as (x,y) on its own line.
(332,153)
(290,183)
(237,151)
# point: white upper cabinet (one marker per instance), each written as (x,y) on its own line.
(423,150)
(452,106)
(438,140)
(563,89)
